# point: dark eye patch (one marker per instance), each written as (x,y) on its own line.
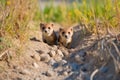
(43,28)
(48,27)
(63,33)
(68,32)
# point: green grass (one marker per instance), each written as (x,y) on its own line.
(87,12)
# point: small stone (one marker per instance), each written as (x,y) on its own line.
(24,72)
(65,53)
(59,52)
(52,53)
(16,67)
(77,58)
(55,47)
(67,66)
(37,78)
(63,62)
(36,56)
(49,73)
(70,73)
(101,58)
(45,57)
(52,61)
(58,58)
(35,65)
(65,73)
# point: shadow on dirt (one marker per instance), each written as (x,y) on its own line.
(102,55)
(79,33)
(34,39)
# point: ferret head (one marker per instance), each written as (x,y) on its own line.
(47,29)
(66,33)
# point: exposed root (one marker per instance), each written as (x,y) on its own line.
(93,74)
(110,45)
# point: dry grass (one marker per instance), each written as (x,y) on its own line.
(14,18)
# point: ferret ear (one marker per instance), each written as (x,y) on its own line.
(71,29)
(60,29)
(52,24)
(41,25)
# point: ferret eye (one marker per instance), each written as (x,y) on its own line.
(63,33)
(68,32)
(43,28)
(48,27)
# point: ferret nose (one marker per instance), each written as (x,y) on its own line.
(45,31)
(65,36)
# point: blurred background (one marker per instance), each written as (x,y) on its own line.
(15,15)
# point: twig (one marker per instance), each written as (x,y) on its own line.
(115,61)
(2,54)
(93,74)
(116,48)
(96,71)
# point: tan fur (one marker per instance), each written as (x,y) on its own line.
(65,37)
(48,33)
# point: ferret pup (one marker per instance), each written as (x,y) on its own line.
(48,33)
(65,36)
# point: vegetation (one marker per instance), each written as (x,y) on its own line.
(16,14)
(88,12)
(14,17)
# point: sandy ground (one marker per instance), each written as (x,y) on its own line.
(40,61)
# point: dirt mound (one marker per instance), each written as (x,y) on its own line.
(88,59)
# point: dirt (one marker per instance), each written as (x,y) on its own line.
(40,61)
